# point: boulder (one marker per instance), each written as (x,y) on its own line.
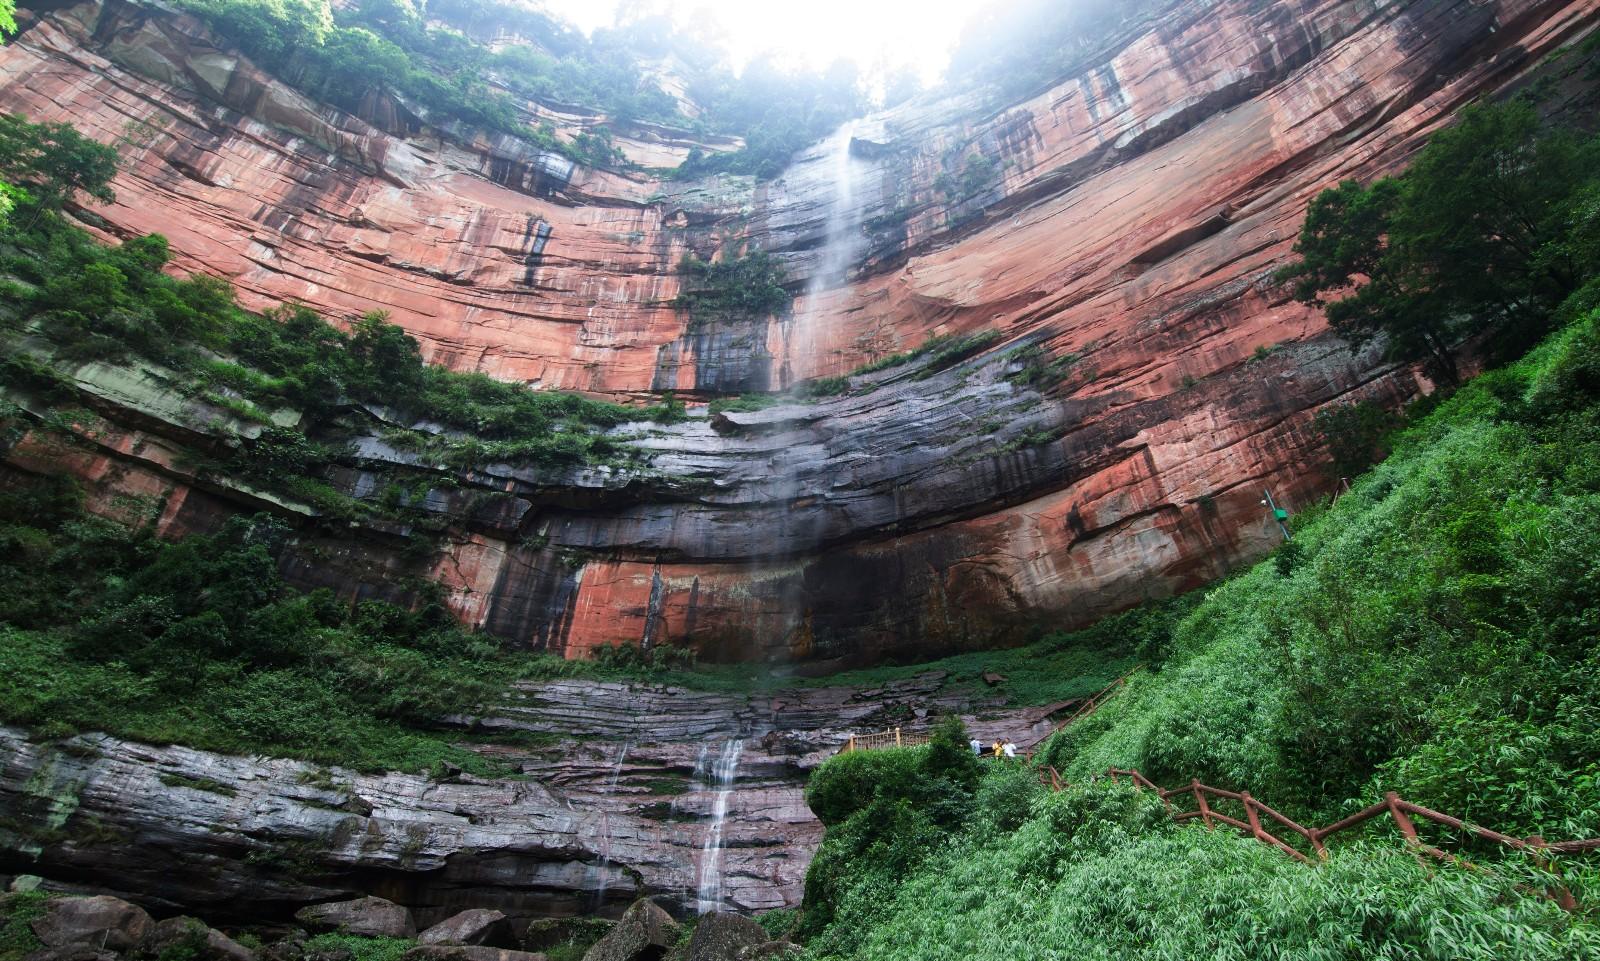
(23,883)
(547,933)
(107,923)
(468,952)
(369,916)
(643,933)
(291,948)
(721,936)
(190,937)
(477,926)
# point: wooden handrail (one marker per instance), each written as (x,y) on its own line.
(1093,703)
(1396,807)
(893,737)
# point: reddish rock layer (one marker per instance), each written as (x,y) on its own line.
(1139,209)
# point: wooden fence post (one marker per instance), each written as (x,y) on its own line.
(850,745)
(1200,799)
(896,737)
(1250,815)
(1401,818)
(1560,894)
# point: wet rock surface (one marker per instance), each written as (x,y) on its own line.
(108,923)
(478,926)
(190,937)
(723,937)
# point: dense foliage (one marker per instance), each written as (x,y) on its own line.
(1434,633)
(744,287)
(1104,873)
(1490,229)
(202,643)
(385,46)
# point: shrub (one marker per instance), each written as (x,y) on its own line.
(1357,435)
(1005,798)
(846,783)
(1103,873)
(746,287)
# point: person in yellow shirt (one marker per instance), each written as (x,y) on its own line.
(997,749)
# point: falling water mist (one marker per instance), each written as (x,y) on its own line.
(841,241)
(806,339)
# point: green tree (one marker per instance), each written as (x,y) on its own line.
(1478,237)
(54,161)
(1357,435)
(8,22)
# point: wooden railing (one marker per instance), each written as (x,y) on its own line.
(1091,705)
(894,737)
(1401,810)
(890,738)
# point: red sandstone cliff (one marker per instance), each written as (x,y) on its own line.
(1139,209)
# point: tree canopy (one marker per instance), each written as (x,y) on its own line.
(54,162)
(1489,230)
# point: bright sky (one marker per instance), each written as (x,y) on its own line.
(879,35)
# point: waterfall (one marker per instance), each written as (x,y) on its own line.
(841,242)
(605,830)
(709,894)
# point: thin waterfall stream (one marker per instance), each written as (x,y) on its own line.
(709,894)
(605,829)
(841,241)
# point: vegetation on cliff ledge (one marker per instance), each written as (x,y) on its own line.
(306,385)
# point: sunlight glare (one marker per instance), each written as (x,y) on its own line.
(882,37)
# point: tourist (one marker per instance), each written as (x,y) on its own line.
(1011,750)
(977,747)
(997,749)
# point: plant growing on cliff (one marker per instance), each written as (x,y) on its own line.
(733,288)
(1357,435)
(1485,234)
(975,174)
(201,642)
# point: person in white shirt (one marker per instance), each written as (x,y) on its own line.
(1010,749)
(977,746)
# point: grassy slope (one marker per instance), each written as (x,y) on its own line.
(1432,633)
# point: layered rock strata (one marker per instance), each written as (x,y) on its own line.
(619,805)
(1127,227)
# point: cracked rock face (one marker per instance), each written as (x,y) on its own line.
(620,805)
(1125,241)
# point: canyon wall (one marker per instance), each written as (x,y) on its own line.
(1124,223)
